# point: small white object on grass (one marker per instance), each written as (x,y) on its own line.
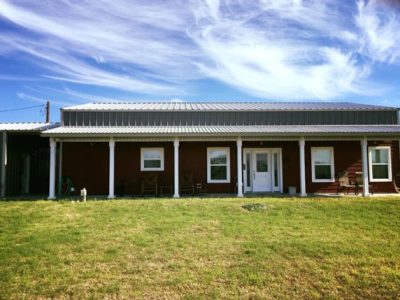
(84,194)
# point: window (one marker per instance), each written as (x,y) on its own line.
(218,165)
(262,162)
(380,165)
(152,159)
(276,171)
(248,169)
(322,164)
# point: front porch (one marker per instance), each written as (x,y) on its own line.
(213,166)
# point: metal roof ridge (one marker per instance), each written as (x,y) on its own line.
(27,122)
(220,102)
(228,105)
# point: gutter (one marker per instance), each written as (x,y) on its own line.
(395,135)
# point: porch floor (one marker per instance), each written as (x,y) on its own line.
(204,196)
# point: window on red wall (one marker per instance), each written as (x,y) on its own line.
(380,165)
(322,164)
(218,165)
(152,159)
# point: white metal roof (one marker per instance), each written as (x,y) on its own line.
(222,106)
(225,130)
(26,126)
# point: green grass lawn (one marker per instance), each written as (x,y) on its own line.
(201,248)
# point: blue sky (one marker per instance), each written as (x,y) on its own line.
(77,51)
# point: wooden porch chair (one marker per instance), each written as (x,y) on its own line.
(360,183)
(344,183)
(150,184)
(395,186)
(165,187)
(187,184)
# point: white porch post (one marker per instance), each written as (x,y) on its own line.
(3,165)
(176,168)
(52,180)
(111,170)
(60,154)
(239,144)
(302,144)
(364,155)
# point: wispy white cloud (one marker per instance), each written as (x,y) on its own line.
(379,22)
(18,78)
(282,49)
(35,99)
(261,53)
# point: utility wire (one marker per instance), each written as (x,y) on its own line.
(21,108)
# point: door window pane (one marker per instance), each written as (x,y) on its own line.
(276,180)
(248,169)
(262,162)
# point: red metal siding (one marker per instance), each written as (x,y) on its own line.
(387,187)
(128,177)
(347,155)
(87,165)
(193,158)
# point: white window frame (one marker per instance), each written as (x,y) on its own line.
(228,165)
(332,164)
(143,150)
(389,164)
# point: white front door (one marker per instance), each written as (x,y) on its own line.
(261,171)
